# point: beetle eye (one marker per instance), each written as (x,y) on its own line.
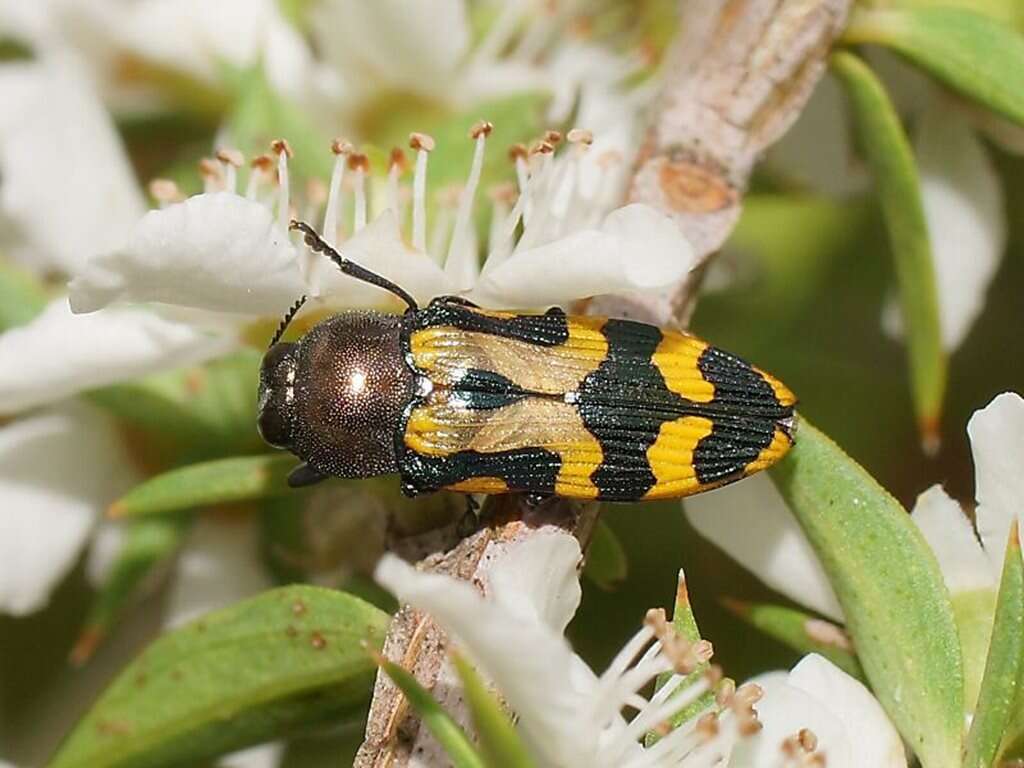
(273,426)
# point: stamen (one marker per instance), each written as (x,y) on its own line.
(448,200)
(580,136)
(397,165)
(517,154)
(283,151)
(211,174)
(360,164)
(423,145)
(341,149)
(502,197)
(260,171)
(460,263)
(499,33)
(165,192)
(231,160)
(553,137)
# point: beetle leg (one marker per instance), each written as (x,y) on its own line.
(304,475)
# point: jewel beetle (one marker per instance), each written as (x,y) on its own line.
(458,397)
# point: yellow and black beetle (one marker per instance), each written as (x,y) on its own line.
(453,396)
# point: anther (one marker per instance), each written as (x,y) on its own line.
(232,157)
(341,146)
(397,159)
(281,145)
(542,147)
(481,128)
(725,692)
(421,141)
(707,726)
(165,192)
(261,166)
(517,152)
(357,161)
(808,740)
(580,136)
(552,137)
(211,174)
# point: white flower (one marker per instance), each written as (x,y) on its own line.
(58,471)
(571,717)
(117,44)
(819,715)
(224,252)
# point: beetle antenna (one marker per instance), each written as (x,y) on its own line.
(318,245)
(288,317)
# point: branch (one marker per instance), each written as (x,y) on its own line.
(740,73)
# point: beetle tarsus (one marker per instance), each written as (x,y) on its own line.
(304,475)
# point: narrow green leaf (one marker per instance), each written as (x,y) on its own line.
(447,732)
(239,478)
(1001,685)
(685,623)
(802,632)
(890,587)
(22,297)
(606,564)
(891,160)
(970,52)
(145,544)
(499,741)
(235,677)
(974,611)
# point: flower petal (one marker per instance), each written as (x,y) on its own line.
(850,727)
(60,354)
(873,738)
(636,248)
(379,247)
(67,189)
(950,535)
(218,251)
(58,471)
(964,210)
(392,44)
(219,565)
(751,522)
(528,659)
(997,443)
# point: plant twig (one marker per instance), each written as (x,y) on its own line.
(740,73)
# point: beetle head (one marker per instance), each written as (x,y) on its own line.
(277,394)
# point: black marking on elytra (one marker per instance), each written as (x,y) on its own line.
(523,469)
(624,403)
(744,413)
(480,390)
(547,330)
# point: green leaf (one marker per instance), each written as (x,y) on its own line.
(891,160)
(235,677)
(606,564)
(801,631)
(972,53)
(447,732)
(890,587)
(144,545)
(499,741)
(973,612)
(22,297)
(1002,683)
(220,481)
(202,412)
(685,623)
